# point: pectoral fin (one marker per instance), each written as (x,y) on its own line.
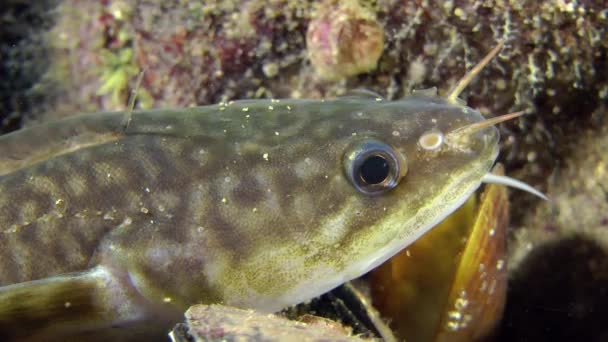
(95,305)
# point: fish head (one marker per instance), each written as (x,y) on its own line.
(406,166)
(357,182)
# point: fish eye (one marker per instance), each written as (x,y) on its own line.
(373,167)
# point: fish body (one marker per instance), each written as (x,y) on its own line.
(256,204)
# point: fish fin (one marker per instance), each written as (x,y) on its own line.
(94,304)
(514,183)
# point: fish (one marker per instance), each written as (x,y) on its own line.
(113,224)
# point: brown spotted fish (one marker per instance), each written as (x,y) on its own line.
(114,229)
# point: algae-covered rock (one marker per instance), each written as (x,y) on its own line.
(343,39)
(24,52)
(221,323)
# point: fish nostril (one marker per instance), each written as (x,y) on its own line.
(431,140)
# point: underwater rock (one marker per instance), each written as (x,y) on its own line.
(24,51)
(222,323)
(559,293)
(426,43)
(578,189)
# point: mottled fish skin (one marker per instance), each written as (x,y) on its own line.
(245,204)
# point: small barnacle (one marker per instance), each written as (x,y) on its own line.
(344,39)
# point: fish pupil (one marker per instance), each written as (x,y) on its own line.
(374,170)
